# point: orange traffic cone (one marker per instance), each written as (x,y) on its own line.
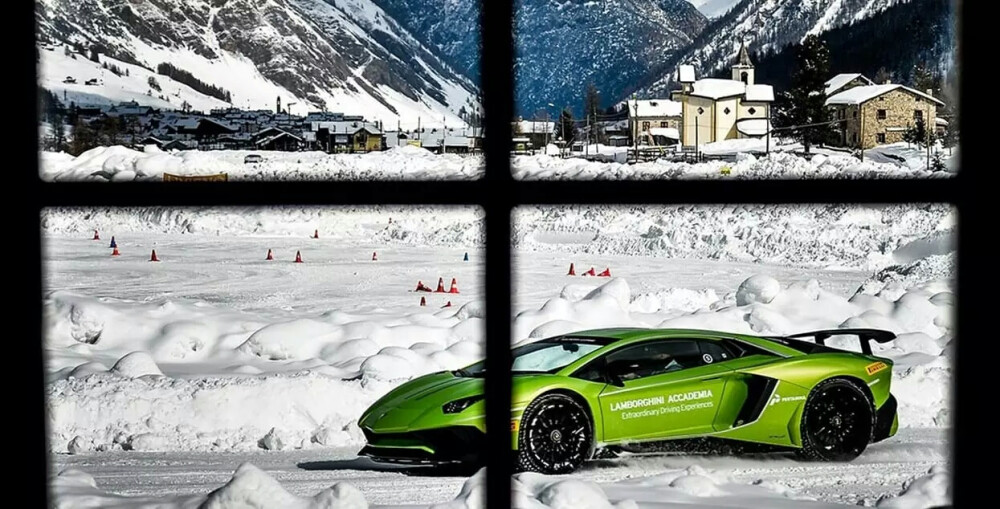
(572,270)
(447,304)
(590,272)
(454,286)
(115,252)
(423,301)
(298,257)
(96,236)
(153,257)
(440,288)
(374,256)
(269,255)
(316,234)
(606,273)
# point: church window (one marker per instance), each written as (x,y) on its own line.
(726,111)
(752,110)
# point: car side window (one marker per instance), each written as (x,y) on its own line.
(653,358)
(714,351)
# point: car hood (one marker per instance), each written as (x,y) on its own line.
(419,401)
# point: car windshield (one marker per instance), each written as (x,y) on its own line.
(547,356)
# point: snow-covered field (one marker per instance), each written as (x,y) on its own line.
(119,163)
(242,360)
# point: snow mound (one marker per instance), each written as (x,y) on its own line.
(605,306)
(923,492)
(757,288)
(537,490)
(136,364)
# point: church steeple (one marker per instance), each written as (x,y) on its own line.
(743,68)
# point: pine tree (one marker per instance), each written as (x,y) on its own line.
(805,103)
(84,138)
(924,79)
(882,76)
(94,57)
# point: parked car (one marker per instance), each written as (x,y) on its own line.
(69,79)
(252,159)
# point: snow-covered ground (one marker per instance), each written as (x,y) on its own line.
(240,358)
(119,163)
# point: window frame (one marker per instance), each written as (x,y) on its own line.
(497,193)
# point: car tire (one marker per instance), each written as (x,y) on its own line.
(837,421)
(556,435)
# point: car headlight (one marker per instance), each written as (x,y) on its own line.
(454,407)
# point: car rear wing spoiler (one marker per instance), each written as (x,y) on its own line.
(864,336)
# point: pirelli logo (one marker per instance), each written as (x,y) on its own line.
(875,367)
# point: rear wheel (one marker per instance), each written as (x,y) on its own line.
(556,435)
(837,421)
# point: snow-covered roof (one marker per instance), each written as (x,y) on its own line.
(668,132)
(940,121)
(859,95)
(536,126)
(752,126)
(656,108)
(837,82)
(685,73)
(715,88)
(763,93)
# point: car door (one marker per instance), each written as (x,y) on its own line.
(661,389)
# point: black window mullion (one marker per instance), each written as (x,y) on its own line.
(497,84)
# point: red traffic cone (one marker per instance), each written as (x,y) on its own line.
(440,288)
(606,273)
(454,286)
(447,304)
(96,236)
(298,257)
(115,252)
(374,256)
(316,234)
(423,301)
(572,270)
(421,287)
(590,272)
(269,255)
(153,257)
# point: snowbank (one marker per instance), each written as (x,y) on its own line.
(923,492)
(777,165)
(834,236)
(252,487)
(117,163)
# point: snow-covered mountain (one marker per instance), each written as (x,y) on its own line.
(563,44)
(713,8)
(339,55)
(766,26)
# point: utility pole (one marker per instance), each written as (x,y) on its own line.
(927,136)
(768,146)
(697,150)
(444,133)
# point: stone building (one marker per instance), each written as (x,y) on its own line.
(847,81)
(654,121)
(879,114)
(722,109)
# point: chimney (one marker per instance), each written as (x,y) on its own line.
(930,92)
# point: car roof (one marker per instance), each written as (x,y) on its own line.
(638,333)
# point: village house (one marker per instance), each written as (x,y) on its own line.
(873,115)
(655,121)
(723,109)
(538,132)
(347,136)
(273,138)
(842,82)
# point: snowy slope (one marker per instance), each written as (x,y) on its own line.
(765,26)
(713,8)
(347,56)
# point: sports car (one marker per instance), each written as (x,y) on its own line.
(629,389)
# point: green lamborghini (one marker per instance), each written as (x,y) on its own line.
(630,389)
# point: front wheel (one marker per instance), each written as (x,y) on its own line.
(556,435)
(837,421)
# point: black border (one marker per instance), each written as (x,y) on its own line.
(498,193)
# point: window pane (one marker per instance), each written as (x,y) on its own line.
(691,305)
(284,90)
(277,337)
(727,89)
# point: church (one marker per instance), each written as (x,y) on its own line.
(723,109)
